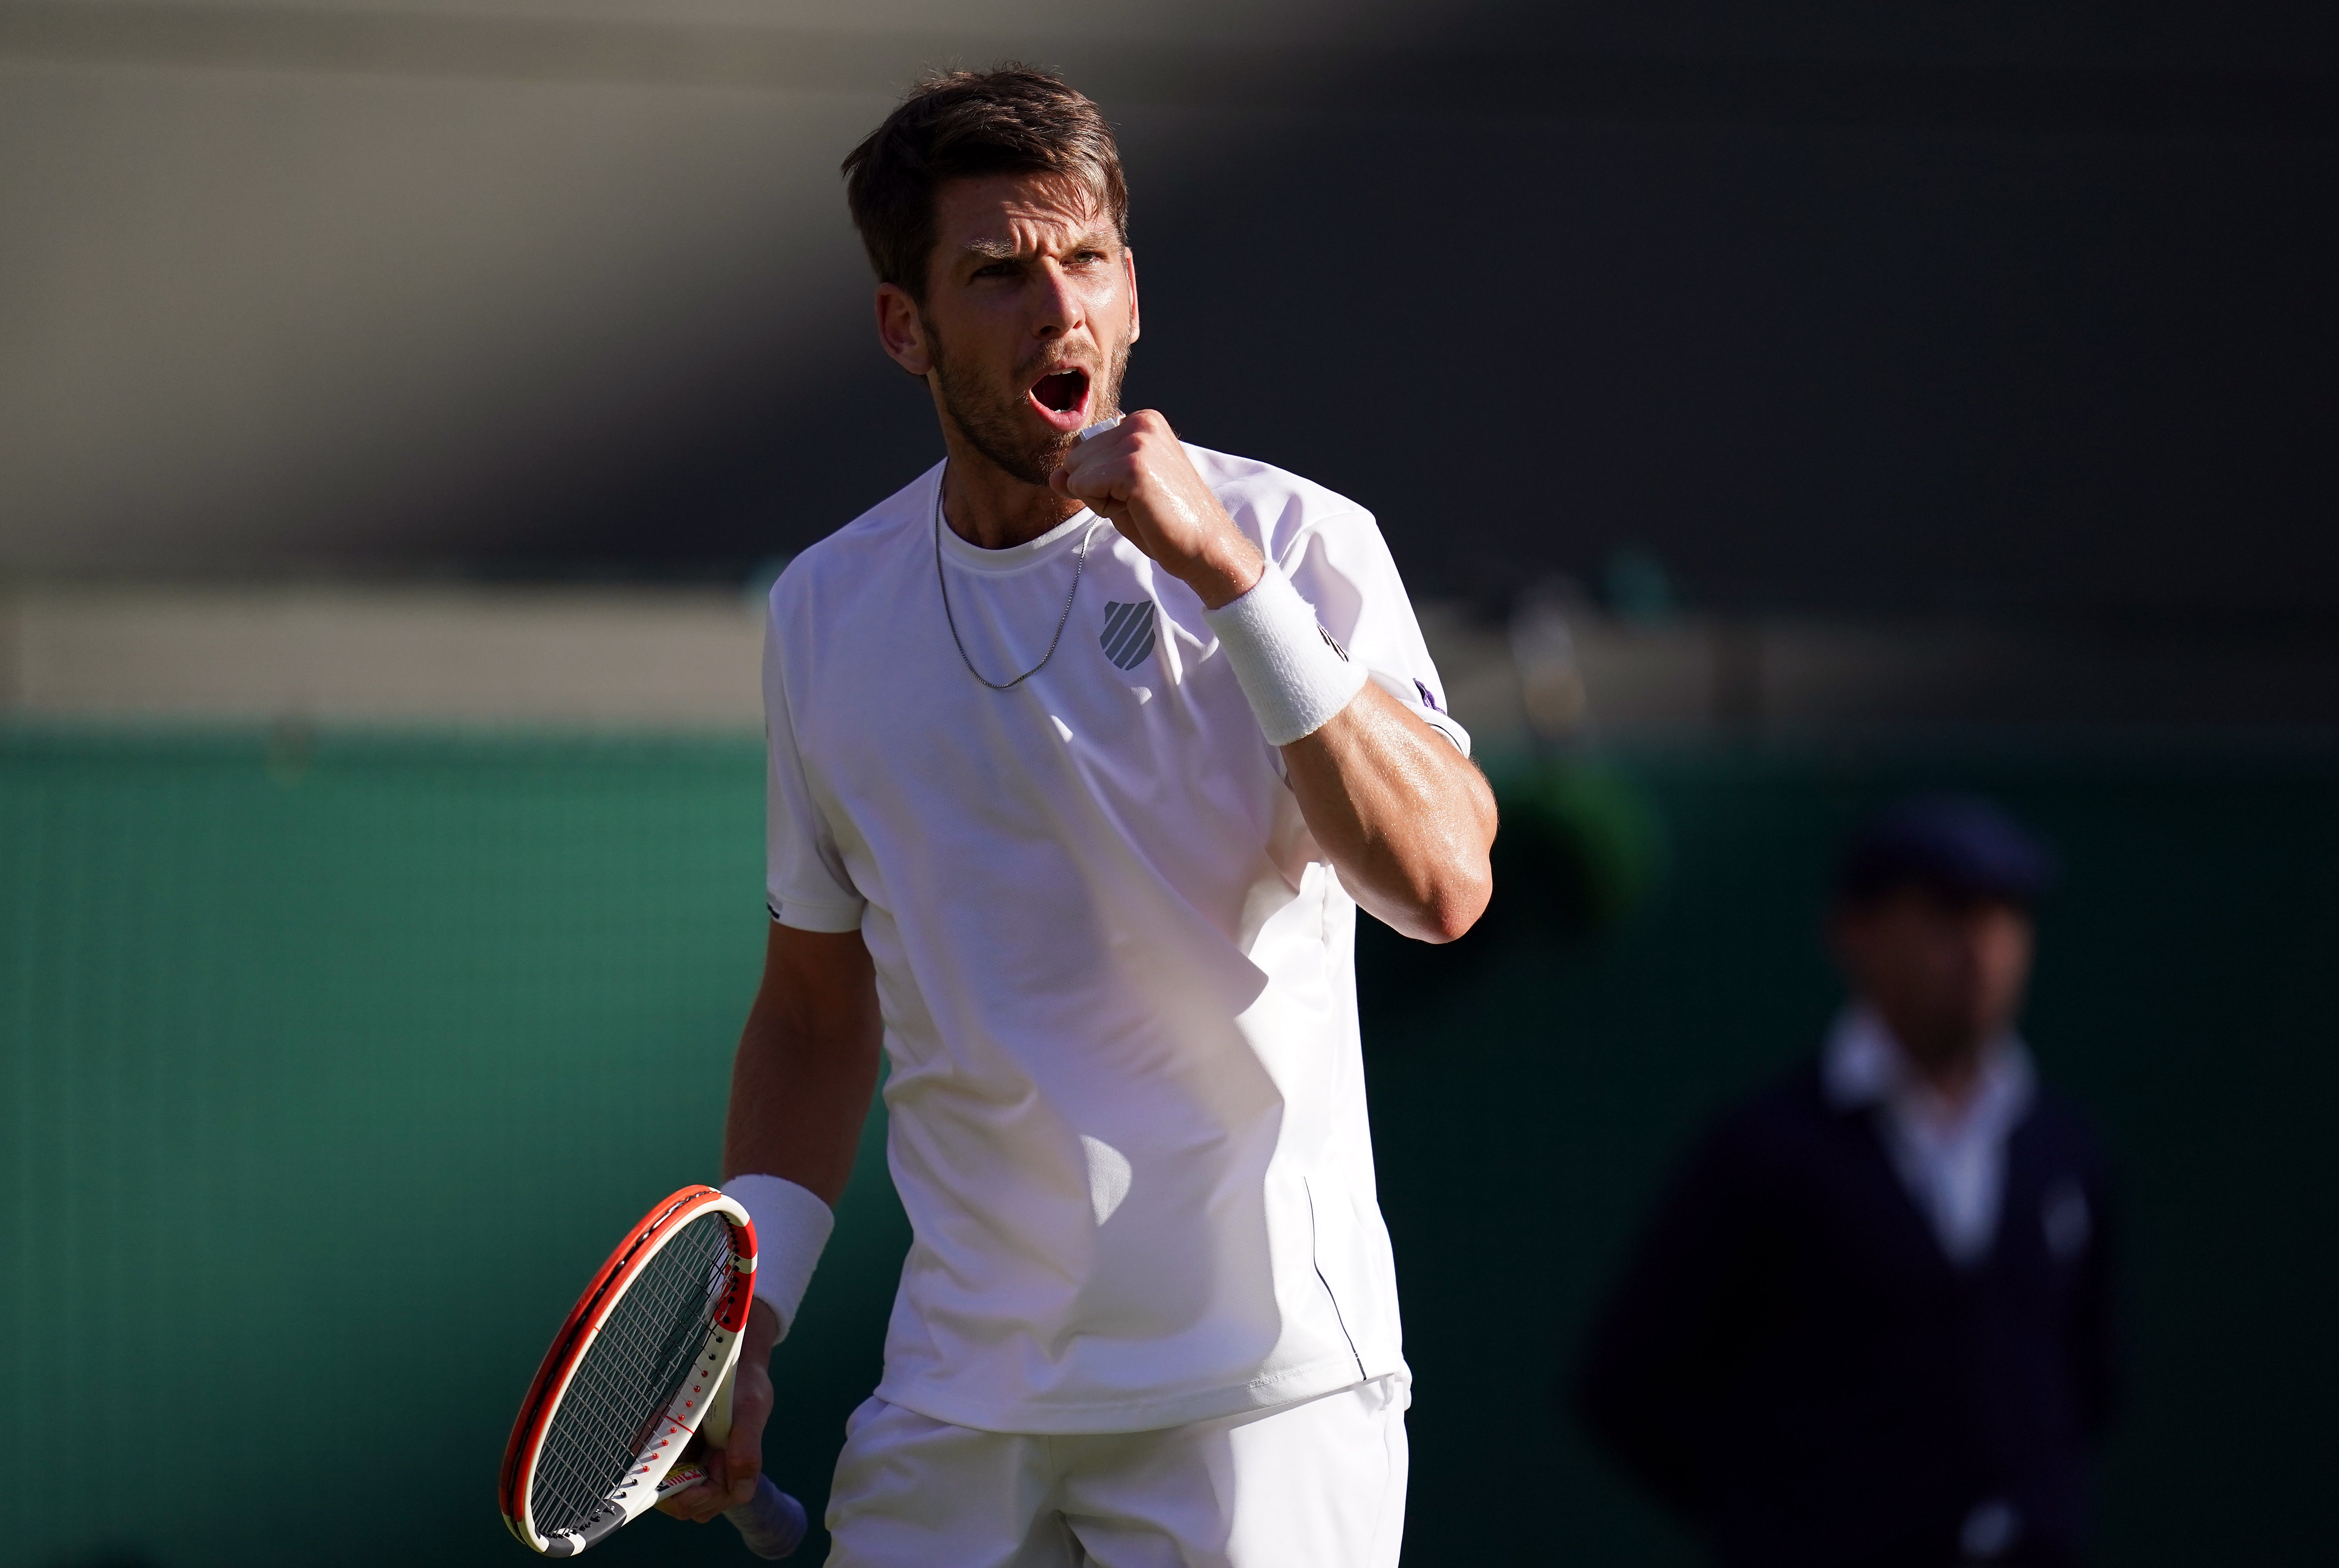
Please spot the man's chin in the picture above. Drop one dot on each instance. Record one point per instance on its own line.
(1041, 449)
(1029, 459)
(1010, 434)
(1051, 453)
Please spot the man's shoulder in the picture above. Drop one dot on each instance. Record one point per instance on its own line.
(2058, 1125)
(1780, 1123)
(1274, 505)
(1796, 1098)
(849, 557)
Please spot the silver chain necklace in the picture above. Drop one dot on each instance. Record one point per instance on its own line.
(1079, 564)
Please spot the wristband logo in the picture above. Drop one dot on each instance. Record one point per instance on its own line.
(1128, 635)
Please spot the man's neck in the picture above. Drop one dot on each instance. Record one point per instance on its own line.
(1951, 1066)
(1953, 1078)
(990, 508)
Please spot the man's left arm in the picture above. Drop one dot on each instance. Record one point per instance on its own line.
(1404, 816)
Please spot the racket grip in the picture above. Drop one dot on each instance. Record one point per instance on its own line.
(771, 1523)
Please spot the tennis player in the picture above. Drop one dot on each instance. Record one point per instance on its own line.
(1084, 755)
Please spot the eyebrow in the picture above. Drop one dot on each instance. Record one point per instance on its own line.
(1006, 250)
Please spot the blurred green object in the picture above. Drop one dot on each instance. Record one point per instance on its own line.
(330, 1062)
(1580, 844)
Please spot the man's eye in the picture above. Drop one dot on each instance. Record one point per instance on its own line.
(996, 270)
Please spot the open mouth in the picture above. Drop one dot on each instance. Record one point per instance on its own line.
(1064, 392)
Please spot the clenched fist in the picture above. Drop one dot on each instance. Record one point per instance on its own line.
(1137, 477)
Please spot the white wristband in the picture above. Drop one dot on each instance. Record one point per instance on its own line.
(792, 1226)
(1294, 673)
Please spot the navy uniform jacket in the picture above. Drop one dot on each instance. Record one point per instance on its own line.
(1793, 1363)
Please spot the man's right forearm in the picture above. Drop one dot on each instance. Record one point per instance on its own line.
(807, 1063)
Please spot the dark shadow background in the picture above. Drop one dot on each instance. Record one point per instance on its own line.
(2004, 309)
(1869, 335)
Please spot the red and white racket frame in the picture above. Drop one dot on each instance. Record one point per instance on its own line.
(705, 1395)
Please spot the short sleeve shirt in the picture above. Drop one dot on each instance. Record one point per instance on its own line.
(1126, 1098)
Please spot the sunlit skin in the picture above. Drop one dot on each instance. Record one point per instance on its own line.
(1946, 975)
(1029, 312)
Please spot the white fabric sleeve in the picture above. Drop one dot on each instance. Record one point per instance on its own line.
(792, 1226)
(1294, 675)
(805, 884)
(1340, 565)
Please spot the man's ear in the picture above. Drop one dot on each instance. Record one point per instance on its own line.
(1135, 321)
(902, 329)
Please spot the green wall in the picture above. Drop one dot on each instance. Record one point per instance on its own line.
(330, 1064)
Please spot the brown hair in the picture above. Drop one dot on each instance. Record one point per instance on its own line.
(964, 124)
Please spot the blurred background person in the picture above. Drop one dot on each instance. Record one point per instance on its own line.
(1871, 1324)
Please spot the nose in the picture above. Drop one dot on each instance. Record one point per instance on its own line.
(1056, 307)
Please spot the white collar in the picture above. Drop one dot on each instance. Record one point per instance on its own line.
(1865, 1065)
(1951, 1158)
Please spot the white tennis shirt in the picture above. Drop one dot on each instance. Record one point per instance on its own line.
(1127, 1100)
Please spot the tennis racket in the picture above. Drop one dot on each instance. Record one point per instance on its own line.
(643, 1362)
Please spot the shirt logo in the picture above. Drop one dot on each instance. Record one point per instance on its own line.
(1127, 635)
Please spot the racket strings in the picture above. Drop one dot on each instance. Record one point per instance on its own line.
(630, 1373)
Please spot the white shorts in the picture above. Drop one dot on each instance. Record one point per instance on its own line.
(1316, 1484)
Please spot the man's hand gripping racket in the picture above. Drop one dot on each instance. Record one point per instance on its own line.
(644, 1363)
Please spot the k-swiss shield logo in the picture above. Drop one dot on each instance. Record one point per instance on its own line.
(1127, 635)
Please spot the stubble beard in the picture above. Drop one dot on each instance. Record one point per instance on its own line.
(990, 418)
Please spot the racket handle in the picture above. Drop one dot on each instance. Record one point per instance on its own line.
(771, 1523)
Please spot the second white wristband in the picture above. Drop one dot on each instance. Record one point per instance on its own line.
(1294, 675)
(792, 1226)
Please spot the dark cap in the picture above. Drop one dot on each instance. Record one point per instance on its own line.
(1958, 844)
